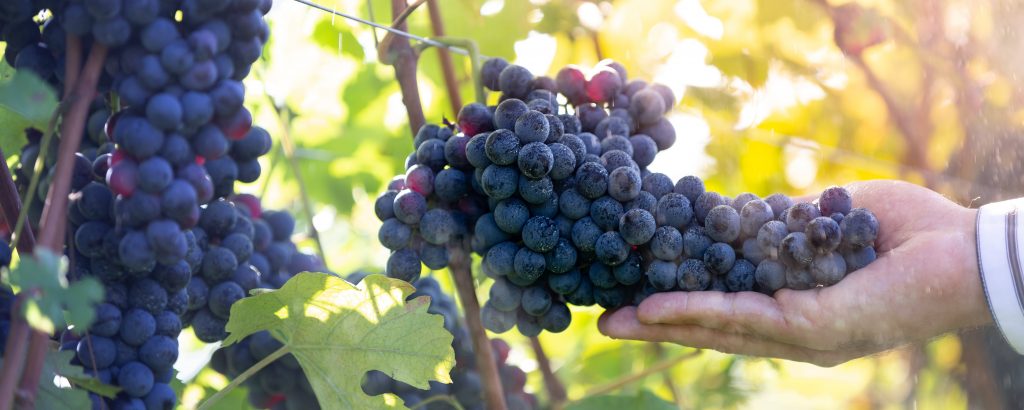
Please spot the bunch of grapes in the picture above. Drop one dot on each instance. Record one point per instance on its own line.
(466, 387)
(6, 298)
(573, 215)
(175, 138)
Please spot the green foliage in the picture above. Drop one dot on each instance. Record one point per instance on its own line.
(338, 332)
(643, 399)
(25, 101)
(54, 396)
(59, 302)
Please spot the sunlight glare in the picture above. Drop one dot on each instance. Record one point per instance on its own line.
(492, 7)
(589, 15)
(801, 166)
(694, 15)
(781, 91)
(536, 52)
(688, 155)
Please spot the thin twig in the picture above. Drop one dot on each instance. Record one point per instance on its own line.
(405, 71)
(444, 397)
(396, 31)
(288, 148)
(283, 350)
(658, 368)
(369, 9)
(15, 351)
(485, 362)
(677, 398)
(556, 390)
(10, 201)
(54, 220)
(37, 166)
(437, 27)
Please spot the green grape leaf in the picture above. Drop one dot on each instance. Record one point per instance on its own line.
(59, 363)
(338, 332)
(335, 35)
(59, 302)
(642, 400)
(25, 101)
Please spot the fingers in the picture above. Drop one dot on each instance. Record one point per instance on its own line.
(623, 324)
(748, 313)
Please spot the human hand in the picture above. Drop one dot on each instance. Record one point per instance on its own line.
(925, 282)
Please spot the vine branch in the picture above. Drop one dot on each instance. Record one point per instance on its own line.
(658, 368)
(266, 361)
(437, 28)
(556, 390)
(10, 201)
(404, 58)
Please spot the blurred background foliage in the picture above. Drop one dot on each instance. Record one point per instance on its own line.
(774, 96)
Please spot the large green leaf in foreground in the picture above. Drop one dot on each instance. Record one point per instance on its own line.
(338, 332)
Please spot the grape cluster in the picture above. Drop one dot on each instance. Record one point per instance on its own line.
(282, 384)
(466, 387)
(6, 298)
(574, 217)
(159, 160)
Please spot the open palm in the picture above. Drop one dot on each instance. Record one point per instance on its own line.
(924, 283)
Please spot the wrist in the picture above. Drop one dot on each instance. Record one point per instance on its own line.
(974, 302)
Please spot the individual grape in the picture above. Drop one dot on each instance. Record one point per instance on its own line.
(667, 243)
(828, 269)
(799, 279)
(535, 160)
(555, 127)
(528, 267)
(695, 242)
(795, 250)
(602, 276)
(504, 295)
(585, 233)
(573, 205)
(859, 228)
(644, 149)
(450, 185)
(658, 185)
(135, 379)
(528, 325)
(662, 275)
(161, 396)
(499, 182)
(779, 203)
(770, 276)
(838, 217)
(137, 326)
(606, 212)
(511, 214)
(514, 81)
(741, 200)
(674, 210)
(662, 132)
(425, 133)
(824, 234)
(691, 187)
(603, 85)
(572, 83)
(704, 203)
(565, 283)
(409, 207)
(490, 71)
(540, 234)
(159, 353)
(610, 298)
(404, 264)
(420, 178)
(857, 259)
(555, 320)
(476, 150)
(611, 249)
(719, 258)
(500, 258)
(753, 215)
(722, 224)
(536, 300)
(646, 106)
(613, 160)
(591, 142)
(437, 227)
(96, 351)
(637, 226)
(563, 161)
(741, 277)
(475, 118)
(629, 272)
(576, 145)
(455, 151)
(496, 320)
(508, 112)
(752, 251)
(532, 126)
(835, 199)
(431, 154)
(800, 215)
(770, 237)
(562, 257)
(693, 275)
(583, 295)
(624, 184)
(148, 295)
(591, 180)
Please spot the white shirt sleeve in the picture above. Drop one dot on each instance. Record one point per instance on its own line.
(1000, 260)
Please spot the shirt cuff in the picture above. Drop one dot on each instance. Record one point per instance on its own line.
(1000, 237)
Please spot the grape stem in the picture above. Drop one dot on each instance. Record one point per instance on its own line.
(54, 220)
(404, 58)
(623, 381)
(20, 229)
(677, 398)
(208, 403)
(13, 210)
(437, 28)
(288, 148)
(556, 390)
(486, 365)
